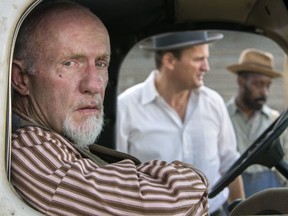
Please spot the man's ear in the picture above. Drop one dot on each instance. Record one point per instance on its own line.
(240, 81)
(20, 78)
(168, 60)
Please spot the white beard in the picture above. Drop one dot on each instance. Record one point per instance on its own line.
(87, 133)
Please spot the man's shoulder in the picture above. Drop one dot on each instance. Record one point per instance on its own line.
(33, 129)
(33, 135)
(131, 92)
(210, 92)
(130, 98)
(211, 95)
(273, 114)
(145, 89)
(231, 106)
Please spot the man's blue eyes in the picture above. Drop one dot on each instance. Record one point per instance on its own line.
(100, 64)
(68, 64)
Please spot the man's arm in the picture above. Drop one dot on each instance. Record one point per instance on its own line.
(236, 189)
(122, 123)
(56, 180)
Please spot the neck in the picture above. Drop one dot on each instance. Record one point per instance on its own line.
(249, 112)
(176, 98)
(22, 105)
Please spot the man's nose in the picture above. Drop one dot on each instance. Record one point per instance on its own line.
(265, 91)
(94, 81)
(205, 65)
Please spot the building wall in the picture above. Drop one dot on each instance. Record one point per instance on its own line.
(139, 63)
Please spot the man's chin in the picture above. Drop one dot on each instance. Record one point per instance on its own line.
(258, 106)
(84, 134)
(80, 120)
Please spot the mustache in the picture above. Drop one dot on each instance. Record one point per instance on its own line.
(262, 99)
(97, 102)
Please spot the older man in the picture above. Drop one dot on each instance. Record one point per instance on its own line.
(59, 76)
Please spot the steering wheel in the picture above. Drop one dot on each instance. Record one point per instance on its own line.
(266, 150)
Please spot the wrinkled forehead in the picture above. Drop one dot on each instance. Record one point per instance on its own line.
(60, 18)
(68, 23)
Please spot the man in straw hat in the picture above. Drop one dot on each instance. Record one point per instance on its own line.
(249, 113)
(172, 115)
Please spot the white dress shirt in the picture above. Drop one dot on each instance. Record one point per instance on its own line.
(148, 128)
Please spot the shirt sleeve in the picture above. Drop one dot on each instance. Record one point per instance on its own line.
(56, 180)
(227, 140)
(122, 124)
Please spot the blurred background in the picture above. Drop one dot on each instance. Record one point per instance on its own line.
(139, 63)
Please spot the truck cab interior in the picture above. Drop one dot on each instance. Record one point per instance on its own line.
(132, 21)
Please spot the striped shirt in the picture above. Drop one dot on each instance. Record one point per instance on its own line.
(56, 179)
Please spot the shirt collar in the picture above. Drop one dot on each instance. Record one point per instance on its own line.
(265, 110)
(149, 91)
(234, 108)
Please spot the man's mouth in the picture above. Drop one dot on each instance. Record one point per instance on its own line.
(261, 100)
(88, 109)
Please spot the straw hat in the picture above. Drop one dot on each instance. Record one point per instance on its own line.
(256, 61)
(177, 40)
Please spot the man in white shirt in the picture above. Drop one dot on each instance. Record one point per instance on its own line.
(172, 115)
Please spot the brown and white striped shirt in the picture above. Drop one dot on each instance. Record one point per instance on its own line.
(53, 177)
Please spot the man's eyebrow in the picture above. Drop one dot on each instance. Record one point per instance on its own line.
(105, 57)
(79, 56)
(75, 56)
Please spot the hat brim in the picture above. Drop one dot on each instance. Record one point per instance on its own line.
(212, 37)
(239, 68)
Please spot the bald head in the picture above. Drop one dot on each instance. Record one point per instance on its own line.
(66, 49)
(44, 23)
